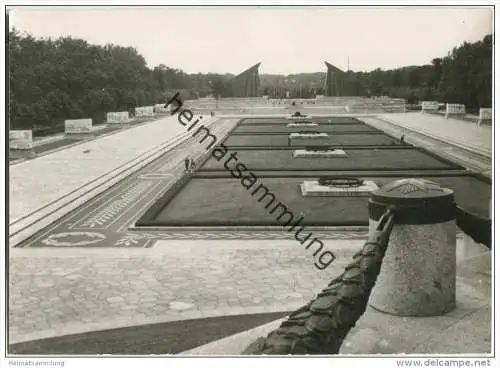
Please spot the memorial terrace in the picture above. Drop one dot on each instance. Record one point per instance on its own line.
(101, 264)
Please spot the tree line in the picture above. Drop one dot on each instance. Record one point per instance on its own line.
(463, 76)
(53, 80)
(66, 78)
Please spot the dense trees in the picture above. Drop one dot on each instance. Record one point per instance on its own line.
(52, 80)
(463, 76)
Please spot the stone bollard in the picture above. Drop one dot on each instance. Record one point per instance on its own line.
(418, 273)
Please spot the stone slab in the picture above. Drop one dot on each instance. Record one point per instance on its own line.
(144, 111)
(78, 126)
(117, 117)
(471, 335)
(485, 116)
(21, 139)
(380, 333)
(160, 108)
(430, 106)
(324, 154)
(418, 273)
(300, 118)
(485, 113)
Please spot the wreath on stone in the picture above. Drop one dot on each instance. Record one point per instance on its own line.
(334, 181)
(319, 148)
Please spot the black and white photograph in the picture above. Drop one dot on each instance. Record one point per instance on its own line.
(191, 182)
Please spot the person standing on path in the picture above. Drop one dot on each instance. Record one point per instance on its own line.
(189, 165)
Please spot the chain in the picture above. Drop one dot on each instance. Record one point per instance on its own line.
(321, 326)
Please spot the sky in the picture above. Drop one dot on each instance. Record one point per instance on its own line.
(286, 40)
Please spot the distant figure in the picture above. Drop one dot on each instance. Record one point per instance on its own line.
(189, 165)
(402, 138)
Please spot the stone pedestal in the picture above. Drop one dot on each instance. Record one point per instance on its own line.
(485, 116)
(300, 124)
(78, 127)
(418, 273)
(144, 111)
(21, 144)
(160, 108)
(432, 106)
(454, 110)
(315, 189)
(302, 118)
(120, 117)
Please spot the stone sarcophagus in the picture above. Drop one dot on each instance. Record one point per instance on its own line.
(78, 126)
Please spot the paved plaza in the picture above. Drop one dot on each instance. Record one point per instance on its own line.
(66, 279)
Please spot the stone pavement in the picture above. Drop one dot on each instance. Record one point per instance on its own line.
(56, 291)
(465, 330)
(62, 291)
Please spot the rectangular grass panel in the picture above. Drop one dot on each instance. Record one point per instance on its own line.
(301, 124)
(316, 119)
(226, 202)
(267, 120)
(333, 139)
(336, 120)
(282, 128)
(359, 159)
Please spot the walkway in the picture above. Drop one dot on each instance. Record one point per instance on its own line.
(35, 183)
(46, 188)
(460, 132)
